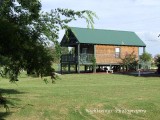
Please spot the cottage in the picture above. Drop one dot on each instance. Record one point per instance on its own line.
(107, 47)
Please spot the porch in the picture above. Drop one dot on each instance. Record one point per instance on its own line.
(72, 58)
(71, 63)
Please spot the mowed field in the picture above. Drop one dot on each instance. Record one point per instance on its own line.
(82, 97)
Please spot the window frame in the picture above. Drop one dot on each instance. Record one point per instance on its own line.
(117, 54)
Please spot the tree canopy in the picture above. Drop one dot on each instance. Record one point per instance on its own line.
(24, 32)
(130, 61)
(146, 57)
(145, 60)
(157, 62)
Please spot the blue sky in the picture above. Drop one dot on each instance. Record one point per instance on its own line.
(140, 16)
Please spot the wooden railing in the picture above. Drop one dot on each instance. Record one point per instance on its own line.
(69, 58)
(88, 58)
(84, 58)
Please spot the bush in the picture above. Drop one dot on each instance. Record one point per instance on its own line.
(130, 62)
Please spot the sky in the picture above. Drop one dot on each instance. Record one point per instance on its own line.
(139, 16)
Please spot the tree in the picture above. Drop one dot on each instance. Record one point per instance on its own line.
(93, 60)
(145, 60)
(157, 62)
(24, 32)
(130, 62)
(146, 57)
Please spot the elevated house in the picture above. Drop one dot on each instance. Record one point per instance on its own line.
(107, 47)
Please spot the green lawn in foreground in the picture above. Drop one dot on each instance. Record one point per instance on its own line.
(75, 94)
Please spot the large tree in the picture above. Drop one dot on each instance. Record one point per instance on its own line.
(157, 62)
(24, 32)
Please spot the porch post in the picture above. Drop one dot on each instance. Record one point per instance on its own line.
(76, 68)
(69, 66)
(79, 58)
(94, 67)
(61, 68)
(138, 66)
(144, 50)
(61, 64)
(85, 68)
(110, 67)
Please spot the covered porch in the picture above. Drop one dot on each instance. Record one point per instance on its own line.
(83, 55)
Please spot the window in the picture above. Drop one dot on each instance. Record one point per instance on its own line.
(84, 54)
(117, 52)
(84, 50)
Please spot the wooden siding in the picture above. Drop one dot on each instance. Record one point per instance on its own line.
(106, 54)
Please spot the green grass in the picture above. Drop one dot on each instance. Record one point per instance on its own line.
(75, 94)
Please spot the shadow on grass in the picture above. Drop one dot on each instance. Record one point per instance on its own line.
(5, 101)
(3, 115)
(10, 91)
(135, 74)
(141, 74)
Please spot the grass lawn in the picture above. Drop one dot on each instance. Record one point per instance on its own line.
(83, 97)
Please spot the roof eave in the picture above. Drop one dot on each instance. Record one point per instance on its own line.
(114, 44)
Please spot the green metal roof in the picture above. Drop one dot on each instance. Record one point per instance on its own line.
(109, 37)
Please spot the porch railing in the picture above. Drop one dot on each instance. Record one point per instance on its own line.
(87, 58)
(69, 58)
(84, 58)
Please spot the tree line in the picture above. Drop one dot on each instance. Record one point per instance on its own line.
(145, 62)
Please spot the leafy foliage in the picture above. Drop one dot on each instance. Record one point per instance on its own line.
(3, 102)
(157, 62)
(146, 57)
(93, 60)
(145, 60)
(24, 32)
(130, 61)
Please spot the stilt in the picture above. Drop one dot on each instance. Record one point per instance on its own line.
(78, 58)
(144, 50)
(69, 68)
(85, 68)
(110, 67)
(76, 68)
(61, 68)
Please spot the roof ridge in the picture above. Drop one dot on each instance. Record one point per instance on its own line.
(103, 29)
